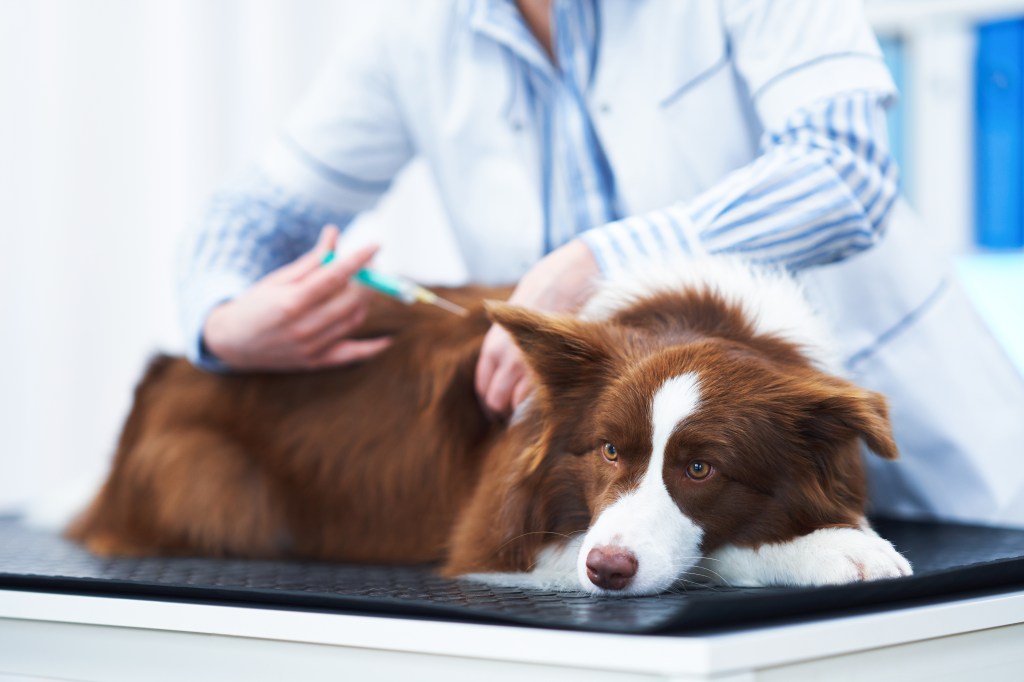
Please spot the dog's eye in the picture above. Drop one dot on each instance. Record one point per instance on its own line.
(698, 471)
(610, 453)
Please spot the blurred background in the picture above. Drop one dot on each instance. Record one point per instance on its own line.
(119, 118)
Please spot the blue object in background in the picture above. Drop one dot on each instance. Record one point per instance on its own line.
(999, 136)
(894, 53)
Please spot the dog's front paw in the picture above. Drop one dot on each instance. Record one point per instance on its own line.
(829, 556)
(843, 555)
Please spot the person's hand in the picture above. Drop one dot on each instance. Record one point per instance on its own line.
(297, 317)
(560, 282)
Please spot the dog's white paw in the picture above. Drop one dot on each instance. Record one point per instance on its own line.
(844, 555)
(829, 556)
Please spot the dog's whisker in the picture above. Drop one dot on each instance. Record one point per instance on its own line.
(535, 532)
(721, 579)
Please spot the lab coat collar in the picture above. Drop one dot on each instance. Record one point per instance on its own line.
(501, 21)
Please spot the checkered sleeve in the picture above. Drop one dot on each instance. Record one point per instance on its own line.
(249, 229)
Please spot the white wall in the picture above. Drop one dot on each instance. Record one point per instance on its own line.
(118, 118)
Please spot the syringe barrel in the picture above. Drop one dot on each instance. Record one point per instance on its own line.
(390, 285)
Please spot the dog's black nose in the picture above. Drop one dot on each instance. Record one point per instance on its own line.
(611, 568)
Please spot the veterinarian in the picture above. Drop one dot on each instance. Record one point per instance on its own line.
(577, 140)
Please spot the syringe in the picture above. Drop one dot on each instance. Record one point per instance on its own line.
(402, 288)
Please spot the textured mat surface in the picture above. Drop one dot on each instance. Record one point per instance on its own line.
(948, 560)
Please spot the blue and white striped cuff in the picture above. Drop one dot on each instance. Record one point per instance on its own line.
(196, 304)
(628, 244)
(819, 80)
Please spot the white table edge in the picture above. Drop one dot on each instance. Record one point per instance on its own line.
(707, 654)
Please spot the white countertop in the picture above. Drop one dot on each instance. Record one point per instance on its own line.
(24, 615)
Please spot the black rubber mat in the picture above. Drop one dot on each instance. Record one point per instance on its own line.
(949, 561)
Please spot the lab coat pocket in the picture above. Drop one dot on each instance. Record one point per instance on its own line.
(709, 122)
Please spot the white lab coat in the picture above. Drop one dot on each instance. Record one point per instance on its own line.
(681, 93)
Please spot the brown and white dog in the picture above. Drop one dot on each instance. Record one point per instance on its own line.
(686, 420)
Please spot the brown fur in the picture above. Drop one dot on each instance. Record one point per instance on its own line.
(393, 461)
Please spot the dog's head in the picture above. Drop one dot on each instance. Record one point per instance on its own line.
(692, 444)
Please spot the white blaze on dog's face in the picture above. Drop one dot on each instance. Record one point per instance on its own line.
(642, 542)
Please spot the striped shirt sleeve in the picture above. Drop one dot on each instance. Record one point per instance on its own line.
(248, 230)
(820, 191)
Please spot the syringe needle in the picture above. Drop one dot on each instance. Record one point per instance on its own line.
(450, 307)
(428, 296)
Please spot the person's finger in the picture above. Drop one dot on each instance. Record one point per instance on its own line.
(343, 301)
(499, 393)
(327, 314)
(340, 329)
(312, 259)
(522, 389)
(487, 362)
(330, 279)
(351, 350)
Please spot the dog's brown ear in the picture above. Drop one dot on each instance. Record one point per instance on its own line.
(563, 351)
(845, 409)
